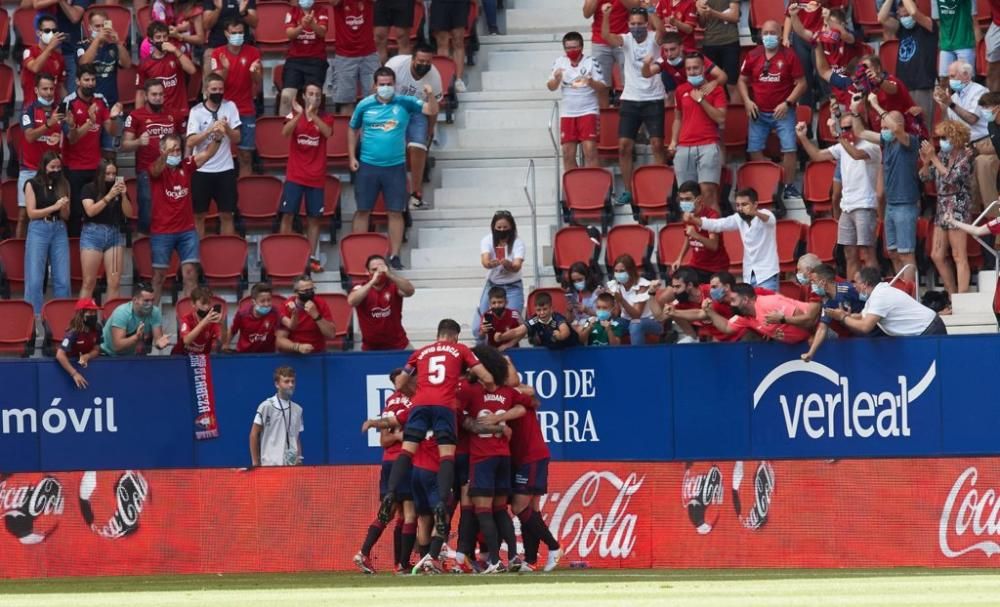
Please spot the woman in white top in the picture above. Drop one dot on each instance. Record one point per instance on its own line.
(631, 293)
(502, 254)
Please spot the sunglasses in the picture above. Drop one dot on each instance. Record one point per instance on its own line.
(48, 30)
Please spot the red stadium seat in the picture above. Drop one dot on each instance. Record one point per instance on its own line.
(343, 316)
(259, 197)
(24, 26)
(981, 62)
(652, 187)
(194, 84)
(11, 212)
(110, 305)
(572, 244)
(7, 78)
(984, 12)
(587, 194)
(336, 144)
(823, 133)
(634, 240)
(791, 289)
(734, 246)
(888, 54)
(142, 264)
(559, 303)
(789, 235)
(617, 82)
(823, 239)
(668, 124)
(354, 251)
(56, 316)
(120, 16)
(671, 240)
(735, 129)
(817, 180)
(284, 257)
(765, 10)
(270, 30)
(224, 262)
(272, 145)
(17, 327)
(446, 68)
(866, 17)
(607, 134)
(331, 206)
(127, 88)
(5, 31)
(277, 79)
(11, 266)
(144, 16)
(763, 176)
(14, 139)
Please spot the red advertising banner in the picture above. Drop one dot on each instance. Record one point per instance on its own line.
(861, 513)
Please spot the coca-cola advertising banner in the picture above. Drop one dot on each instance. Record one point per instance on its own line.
(857, 513)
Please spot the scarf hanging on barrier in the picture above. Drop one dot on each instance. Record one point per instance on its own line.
(206, 423)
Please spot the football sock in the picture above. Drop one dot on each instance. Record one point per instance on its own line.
(505, 529)
(468, 526)
(423, 550)
(489, 529)
(542, 530)
(406, 546)
(397, 540)
(435, 549)
(374, 532)
(400, 470)
(528, 537)
(446, 476)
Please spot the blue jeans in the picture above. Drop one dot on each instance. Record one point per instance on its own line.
(490, 8)
(638, 329)
(515, 301)
(144, 192)
(765, 123)
(771, 284)
(47, 244)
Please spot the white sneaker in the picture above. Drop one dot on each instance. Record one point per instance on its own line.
(459, 85)
(686, 339)
(553, 560)
(418, 568)
(494, 568)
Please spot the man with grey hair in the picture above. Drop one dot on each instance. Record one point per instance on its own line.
(804, 267)
(963, 103)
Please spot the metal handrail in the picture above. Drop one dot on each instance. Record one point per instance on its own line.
(989, 248)
(556, 155)
(916, 277)
(529, 179)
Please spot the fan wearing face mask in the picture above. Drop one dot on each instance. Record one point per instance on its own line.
(81, 341)
(987, 150)
(580, 81)
(916, 57)
(239, 64)
(306, 63)
(200, 330)
(670, 66)
(167, 64)
(704, 251)
(961, 101)
(44, 57)
(835, 294)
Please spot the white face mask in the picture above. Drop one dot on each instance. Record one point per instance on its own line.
(46, 37)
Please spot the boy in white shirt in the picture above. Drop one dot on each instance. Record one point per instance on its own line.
(274, 436)
(579, 79)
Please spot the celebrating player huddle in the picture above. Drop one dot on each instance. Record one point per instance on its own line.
(460, 429)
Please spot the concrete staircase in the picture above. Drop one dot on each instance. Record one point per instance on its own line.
(973, 312)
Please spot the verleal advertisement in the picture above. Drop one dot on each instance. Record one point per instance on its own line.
(817, 513)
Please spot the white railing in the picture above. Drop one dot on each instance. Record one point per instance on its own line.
(916, 277)
(530, 193)
(556, 156)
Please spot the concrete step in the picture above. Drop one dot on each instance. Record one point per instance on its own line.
(504, 138)
(540, 94)
(515, 80)
(511, 118)
(568, 6)
(499, 198)
(538, 61)
(528, 20)
(470, 237)
(973, 302)
(485, 178)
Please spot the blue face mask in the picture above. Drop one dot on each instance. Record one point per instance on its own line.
(45, 102)
(262, 310)
(801, 278)
(956, 85)
(945, 146)
(235, 39)
(676, 60)
(621, 277)
(305, 4)
(986, 114)
(887, 135)
(717, 293)
(687, 206)
(579, 286)
(770, 41)
(174, 160)
(908, 22)
(818, 290)
(639, 32)
(863, 296)
(603, 314)
(696, 81)
(385, 91)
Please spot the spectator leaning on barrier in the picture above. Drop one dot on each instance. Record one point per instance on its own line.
(81, 341)
(215, 122)
(47, 203)
(888, 308)
(239, 64)
(356, 60)
(106, 206)
(43, 58)
(696, 139)
(501, 252)
(256, 323)
(499, 326)
(546, 327)
(835, 295)
(380, 122)
(684, 296)
(580, 82)
(757, 228)
(379, 304)
(753, 311)
(275, 436)
(41, 128)
(133, 323)
(306, 62)
(106, 52)
(987, 162)
(603, 328)
(306, 322)
(200, 331)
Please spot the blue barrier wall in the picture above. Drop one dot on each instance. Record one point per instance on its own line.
(860, 398)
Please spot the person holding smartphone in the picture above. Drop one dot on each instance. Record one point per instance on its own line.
(200, 331)
(306, 321)
(105, 207)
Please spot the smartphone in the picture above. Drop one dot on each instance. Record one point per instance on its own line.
(488, 318)
(119, 180)
(217, 308)
(63, 107)
(108, 25)
(501, 253)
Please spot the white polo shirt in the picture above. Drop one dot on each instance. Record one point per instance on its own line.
(901, 314)
(760, 243)
(858, 176)
(968, 100)
(199, 120)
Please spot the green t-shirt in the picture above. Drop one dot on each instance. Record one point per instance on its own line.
(599, 335)
(124, 317)
(956, 23)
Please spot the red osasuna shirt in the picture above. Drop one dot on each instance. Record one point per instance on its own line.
(705, 327)
(467, 392)
(167, 70)
(702, 257)
(239, 80)
(256, 332)
(85, 154)
(427, 456)
(380, 316)
(54, 66)
(156, 124)
(307, 152)
(527, 444)
(354, 25)
(34, 116)
(397, 406)
(205, 340)
(75, 343)
(307, 45)
(901, 102)
(484, 446)
(510, 319)
(306, 331)
(439, 368)
(172, 210)
(773, 87)
(678, 73)
(696, 127)
(811, 16)
(619, 20)
(685, 12)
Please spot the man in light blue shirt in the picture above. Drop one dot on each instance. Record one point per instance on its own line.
(126, 331)
(380, 121)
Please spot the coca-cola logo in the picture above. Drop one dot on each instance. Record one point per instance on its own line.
(31, 511)
(580, 522)
(131, 494)
(968, 510)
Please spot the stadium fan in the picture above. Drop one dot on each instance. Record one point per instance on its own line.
(356, 61)
(413, 72)
(670, 66)
(81, 341)
(681, 301)
(580, 83)
(41, 128)
(758, 232)
(135, 325)
(68, 16)
(834, 294)
(642, 98)
(888, 308)
(381, 121)
(721, 45)
(603, 328)
(546, 327)
(306, 321)
(44, 57)
(582, 289)
(696, 135)
(106, 52)
(275, 436)
(990, 228)
(605, 54)
(398, 15)
(708, 252)
(379, 304)
(144, 127)
(680, 17)
(183, 18)
(169, 65)
(916, 59)
(962, 105)
(239, 64)
(631, 293)
(255, 323)
(218, 13)
(810, 26)
(502, 253)
(390, 426)
(46, 200)
(305, 62)
(88, 118)
(951, 170)
(106, 207)
(771, 83)
(753, 312)
(200, 330)
(448, 20)
(958, 33)
(987, 162)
